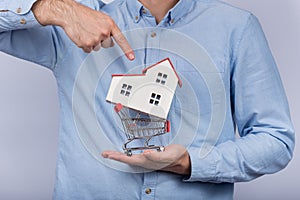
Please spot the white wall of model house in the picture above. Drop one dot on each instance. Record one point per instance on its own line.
(150, 92)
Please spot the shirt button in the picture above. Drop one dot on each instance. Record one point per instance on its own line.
(148, 191)
(23, 21)
(153, 34)
(19, 10)
(144, 11)
(136, 17)
(172, 21)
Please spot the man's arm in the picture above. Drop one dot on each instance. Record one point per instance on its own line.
(22, 36)
(260, 109)
(87, 28)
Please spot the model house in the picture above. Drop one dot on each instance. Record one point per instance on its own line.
(150, 92)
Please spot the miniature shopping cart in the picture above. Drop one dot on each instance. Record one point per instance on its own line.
(143, 102)
(141, 126)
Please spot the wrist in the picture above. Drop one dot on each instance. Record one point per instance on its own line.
(53, 12)
(185, 164)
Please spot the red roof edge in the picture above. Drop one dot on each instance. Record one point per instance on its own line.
(168, 59)
(127, 75)
(145, 70)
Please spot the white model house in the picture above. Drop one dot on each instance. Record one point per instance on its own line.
(150, 92)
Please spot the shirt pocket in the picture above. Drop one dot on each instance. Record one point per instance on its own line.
(199, 86)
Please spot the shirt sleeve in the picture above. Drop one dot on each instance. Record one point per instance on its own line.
(22, 36)
(260, 111)
(17, 15)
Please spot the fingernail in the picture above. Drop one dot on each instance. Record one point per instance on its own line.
(131, 56)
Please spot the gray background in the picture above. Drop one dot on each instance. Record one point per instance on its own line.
(29, 115)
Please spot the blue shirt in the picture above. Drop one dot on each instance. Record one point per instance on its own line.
(230, 81)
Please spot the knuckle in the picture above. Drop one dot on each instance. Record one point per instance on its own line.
(107, 20)
(90, 43)
(105, 34)
(86, 50)
(110, 22)
(122, 40)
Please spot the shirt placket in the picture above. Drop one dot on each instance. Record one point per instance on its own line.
(151, 56)
(152, 48)
(149, 186)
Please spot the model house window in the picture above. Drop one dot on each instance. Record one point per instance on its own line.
(161, 78)
(125, 90)
(154, 99)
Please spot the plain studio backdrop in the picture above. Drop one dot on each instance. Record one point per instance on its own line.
(29, 114)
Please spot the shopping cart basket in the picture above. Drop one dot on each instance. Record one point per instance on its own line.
(141, 127)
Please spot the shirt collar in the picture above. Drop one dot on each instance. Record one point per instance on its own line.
(179, 10)
(137, 9)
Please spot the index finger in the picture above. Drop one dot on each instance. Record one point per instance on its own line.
(122, 42)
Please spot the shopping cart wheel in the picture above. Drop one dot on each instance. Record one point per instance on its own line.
(161, 148)
(128, 152)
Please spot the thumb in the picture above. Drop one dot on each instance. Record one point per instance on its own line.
(153, 155)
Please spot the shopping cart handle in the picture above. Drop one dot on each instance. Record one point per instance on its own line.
(167, 126)
(118, 107)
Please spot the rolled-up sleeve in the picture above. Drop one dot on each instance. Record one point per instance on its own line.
(260, 111)
(17, 15)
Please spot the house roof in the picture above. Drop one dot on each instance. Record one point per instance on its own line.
(146, 69)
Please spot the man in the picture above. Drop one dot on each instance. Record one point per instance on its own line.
(232, 39)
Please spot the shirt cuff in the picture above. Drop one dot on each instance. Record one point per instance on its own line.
(19, 7)
(18, 15)
(203, 164)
